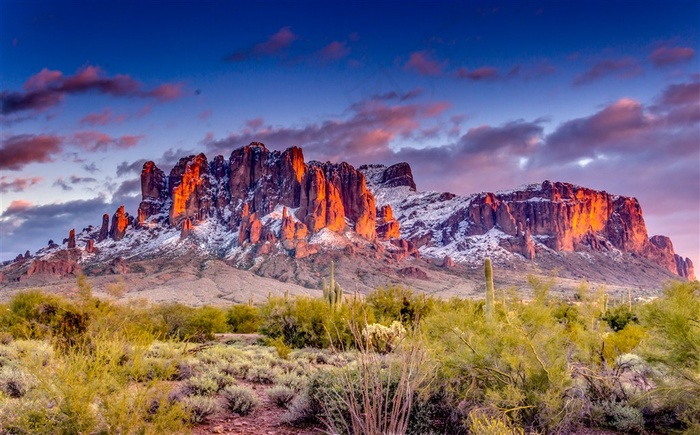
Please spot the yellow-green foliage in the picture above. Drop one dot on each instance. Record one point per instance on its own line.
(673, 323)
(244, 319)
(398, 303)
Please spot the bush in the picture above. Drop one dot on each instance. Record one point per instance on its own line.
(199, 408)
(397, 303)
(241, 400)
(243, 319)
(14, 382)
(282, 396)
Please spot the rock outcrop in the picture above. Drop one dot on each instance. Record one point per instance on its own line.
(71, 239)
(120, 221)
(552, 215)
(104, 229)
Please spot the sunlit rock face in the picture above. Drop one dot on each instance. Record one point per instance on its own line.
(555, 216)
(253, 183)
(119, 224)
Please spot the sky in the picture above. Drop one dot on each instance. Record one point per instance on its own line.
(476, 96)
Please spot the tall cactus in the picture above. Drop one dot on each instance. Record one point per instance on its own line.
(488, 273)
(332, 293)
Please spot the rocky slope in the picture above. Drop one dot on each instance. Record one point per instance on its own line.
(272, 213)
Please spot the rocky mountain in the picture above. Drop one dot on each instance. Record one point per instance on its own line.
(271, 212)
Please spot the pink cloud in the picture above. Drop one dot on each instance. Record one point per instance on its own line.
(483, 73)
(21, 150)
(425, 63)
(334, 51)
(18, 205)
(682, 93)
(17, 184)
(204, 115)
(275, 44)
(664, 56)
(103, 118)
(47, 88)
(254, 124)
(624, 67)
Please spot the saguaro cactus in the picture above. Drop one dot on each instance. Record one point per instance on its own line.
(488, 273)
(332, 293)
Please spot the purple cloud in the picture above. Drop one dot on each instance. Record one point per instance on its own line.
(17, 184)
(21, 150)
(424, 63)
(624, 67)
(334, 51)
(664, 56)
(48, 88)
(483, 73)
(273, 46)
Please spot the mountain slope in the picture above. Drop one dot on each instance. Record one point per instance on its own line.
(275, 215)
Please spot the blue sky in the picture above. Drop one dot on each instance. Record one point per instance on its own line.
(474, 95)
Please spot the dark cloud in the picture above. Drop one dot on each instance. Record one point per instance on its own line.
(273, 46)
(26, 226)
(125, 168)
(681, 93)
(624, 67)
(90, 167)
(483, 73)
(21, 150)
(425, 63)
(665, 55)
(67, 184)
(60, 182)
(17, 184)
(128, 190)
(47, 88)
(399, 96)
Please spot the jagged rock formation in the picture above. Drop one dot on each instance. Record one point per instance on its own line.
(547, 216)
(120, 221)
(260, 203)
(71, 239)
(253, 183)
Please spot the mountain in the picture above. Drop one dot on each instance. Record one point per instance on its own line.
(277, 216)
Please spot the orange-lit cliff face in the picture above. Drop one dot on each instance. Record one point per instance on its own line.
(254, 178)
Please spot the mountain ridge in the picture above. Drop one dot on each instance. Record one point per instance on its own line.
(259, 204)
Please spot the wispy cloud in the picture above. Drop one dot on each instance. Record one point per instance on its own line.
(624, 67)
(19, 184)
(425, 63)
(273, 46)
(21, 150)
(668, 55)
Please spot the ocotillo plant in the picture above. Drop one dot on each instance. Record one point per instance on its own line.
(488, 273)
(332, 293)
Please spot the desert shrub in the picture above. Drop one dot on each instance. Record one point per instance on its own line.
(243, 319)
(32, 314)
(239, 399)
(202, 385)
(261, 374)
(15, 382)
(481, 423)
(619, 317)
(282, 396)
(199, 408)
(673, 347)
(300, 412)
(309, 322)
(622, 416)
(622, 341)
(397, 303)
(292, 381)
(208, 320)
(181, 322)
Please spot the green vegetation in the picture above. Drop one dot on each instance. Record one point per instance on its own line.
(395, 362)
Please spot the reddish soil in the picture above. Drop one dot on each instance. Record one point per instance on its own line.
(265, 420)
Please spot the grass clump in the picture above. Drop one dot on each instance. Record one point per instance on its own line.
(239, 399)
(281, 395)
(200, 408)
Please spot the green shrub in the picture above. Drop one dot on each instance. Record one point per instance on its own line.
(243, 319)
(282, 396)
(241, 400)
(397, 303)
(199, 408)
